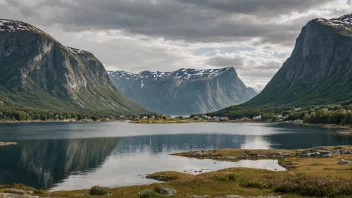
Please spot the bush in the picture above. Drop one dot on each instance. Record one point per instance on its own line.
(228, 177)
(149, 194)
(97, 190)
(306, 185)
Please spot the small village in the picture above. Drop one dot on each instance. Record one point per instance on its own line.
(244, 119)
(206, 118)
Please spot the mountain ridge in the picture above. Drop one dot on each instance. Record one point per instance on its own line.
(189, 90)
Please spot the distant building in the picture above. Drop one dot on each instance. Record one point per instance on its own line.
(298, 121)
(245, 119)
(145, 117)
(298, 109)
(224, 118)
(259, 117)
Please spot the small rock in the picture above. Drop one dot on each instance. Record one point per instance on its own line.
(245, 155)
(9, 195)
(17, 191)
(80, 195)
(321, 148)
(167, 191)
(342, 161)
(144, 192)
(326, 154)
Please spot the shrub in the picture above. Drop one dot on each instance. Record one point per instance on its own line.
(306, 185)
(254, 184)
(97, 190)
(149, 194)
(228, 177)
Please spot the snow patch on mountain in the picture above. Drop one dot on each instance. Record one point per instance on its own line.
(7, 25)
(182, 74)
(77, 51)
(345, 21)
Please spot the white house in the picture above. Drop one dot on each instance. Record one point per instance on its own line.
(259, 117)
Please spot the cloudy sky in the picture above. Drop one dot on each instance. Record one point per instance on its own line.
(254, 36)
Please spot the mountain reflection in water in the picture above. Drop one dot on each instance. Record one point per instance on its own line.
(75, 155)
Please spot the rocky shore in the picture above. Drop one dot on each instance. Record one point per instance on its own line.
(7, 143)
(240, 154)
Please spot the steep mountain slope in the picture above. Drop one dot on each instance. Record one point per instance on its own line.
(38, 72)
(319, 70)
(185, 91)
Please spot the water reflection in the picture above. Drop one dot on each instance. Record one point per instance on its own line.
(256, 142)
(49, 156)
(80, 163)
(42, 163)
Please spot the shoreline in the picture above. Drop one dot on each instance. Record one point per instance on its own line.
(344, 129)
(341, 129)
(7, 143)
(304, 166)
(58, 121)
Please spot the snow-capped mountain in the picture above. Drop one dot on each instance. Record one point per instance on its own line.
(183, 74)
(345, 20)
(185, 91)
(13, 25)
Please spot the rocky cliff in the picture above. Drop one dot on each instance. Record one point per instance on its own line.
(36, 71)
(185, 91)
(319, 70)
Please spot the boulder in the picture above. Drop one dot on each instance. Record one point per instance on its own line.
(342, 161)
(146, 193)
(167, 191)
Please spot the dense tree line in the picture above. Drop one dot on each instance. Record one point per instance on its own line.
(25, 115)
(326, 116)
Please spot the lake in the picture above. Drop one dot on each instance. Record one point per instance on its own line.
(66, 156)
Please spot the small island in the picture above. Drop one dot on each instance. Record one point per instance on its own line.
(7, 143)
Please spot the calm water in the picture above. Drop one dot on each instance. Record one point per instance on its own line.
(61, 156)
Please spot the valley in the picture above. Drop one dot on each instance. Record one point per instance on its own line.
(174, 109)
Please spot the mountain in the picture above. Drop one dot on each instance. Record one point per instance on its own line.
(319, 70)
(185, 91)
(39, 73)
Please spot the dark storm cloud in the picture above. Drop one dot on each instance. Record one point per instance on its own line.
(258, 7)
(225, 61)
(191, 20)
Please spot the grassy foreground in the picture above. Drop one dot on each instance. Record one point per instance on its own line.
(305, 177)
